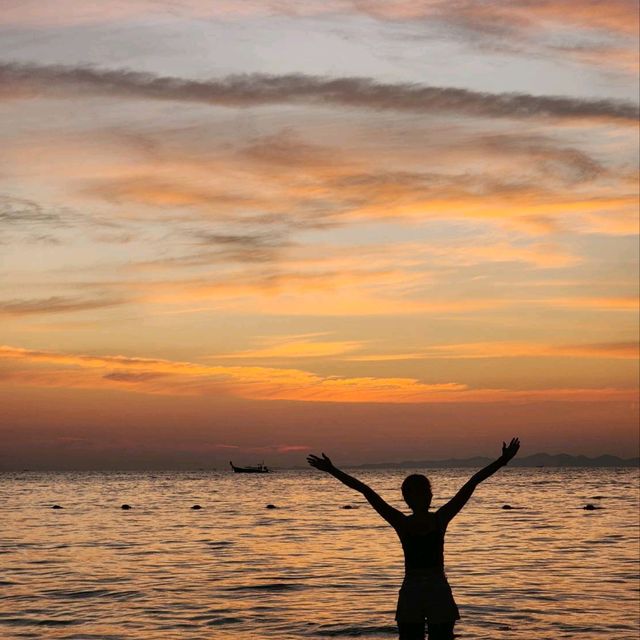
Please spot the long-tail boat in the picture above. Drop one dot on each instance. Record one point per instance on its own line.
(258, 468)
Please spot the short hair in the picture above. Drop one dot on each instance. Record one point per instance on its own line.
(415, 483)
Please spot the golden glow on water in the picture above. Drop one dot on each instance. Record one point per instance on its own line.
(309, 569)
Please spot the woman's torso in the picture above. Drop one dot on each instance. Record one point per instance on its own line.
(422, 539)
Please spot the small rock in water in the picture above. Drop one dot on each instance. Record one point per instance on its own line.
(57, 506)
(597, 497)
(507, 506)
(196, 507)
(271, 506)
(125, 506)
(349, 506)
(591, 507)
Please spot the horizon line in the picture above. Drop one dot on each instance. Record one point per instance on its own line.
(629, 462)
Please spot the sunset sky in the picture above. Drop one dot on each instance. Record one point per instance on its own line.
(383, 229)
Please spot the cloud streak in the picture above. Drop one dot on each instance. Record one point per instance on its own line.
(168, 377)
(493, 17)
(300, 348)
(487, 350)
(23, 81)
(55, 304)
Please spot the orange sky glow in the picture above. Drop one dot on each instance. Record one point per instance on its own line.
(410, 235)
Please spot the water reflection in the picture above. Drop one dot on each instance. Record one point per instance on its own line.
(234, 569)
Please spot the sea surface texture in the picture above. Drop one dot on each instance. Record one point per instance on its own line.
(309, 568)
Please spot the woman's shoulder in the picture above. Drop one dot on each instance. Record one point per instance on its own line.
(422, 524)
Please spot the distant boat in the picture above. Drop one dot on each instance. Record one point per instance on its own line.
(258, 468)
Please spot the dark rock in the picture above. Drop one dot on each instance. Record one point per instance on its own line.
(57, 506)
(196, 507)
(591, 507)
(271, 506)
(507, 506)
(597, 497)
(349, 506)
(125, 507)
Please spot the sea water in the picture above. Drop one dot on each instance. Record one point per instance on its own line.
(309, 568)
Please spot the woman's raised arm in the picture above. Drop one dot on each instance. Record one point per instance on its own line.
(453, 507)
(391, 515)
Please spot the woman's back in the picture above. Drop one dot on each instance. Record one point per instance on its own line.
(422, 538)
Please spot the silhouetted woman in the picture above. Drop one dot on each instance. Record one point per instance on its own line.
(425, 595)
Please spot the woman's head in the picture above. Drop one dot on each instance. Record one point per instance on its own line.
(416, 491)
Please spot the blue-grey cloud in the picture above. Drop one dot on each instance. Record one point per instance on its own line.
(250, 90)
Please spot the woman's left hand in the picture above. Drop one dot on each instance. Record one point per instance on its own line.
(510, 450)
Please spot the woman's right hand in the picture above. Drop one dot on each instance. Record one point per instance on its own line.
(324, 463)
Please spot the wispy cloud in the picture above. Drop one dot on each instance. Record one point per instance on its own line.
(601, 35)
(31, 222)
(167, 377)
(292, 203)
(287, 347)
(25, 212)
(485, 350)
(246, 201)
(528, 28)
(146, 375)
(496, 17)
(24, 219)
(56, 304)
(22, 81)
(374, 291)
(603, 303)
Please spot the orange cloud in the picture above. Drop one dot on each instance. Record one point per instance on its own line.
(176, 378)
(616, 350)
(530, 183)
(494, 17)
(613, 303)
(283, 347)
(55, 304)
(158, 192)
(342, 195)
(322, 294)
(157, 376)
(603, 35)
